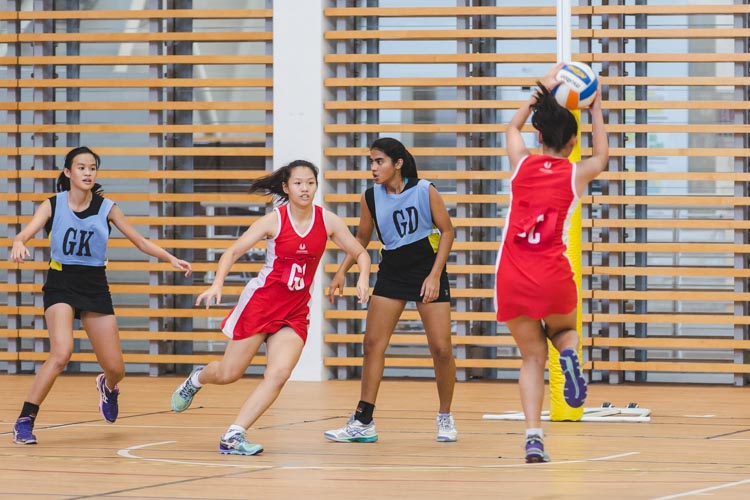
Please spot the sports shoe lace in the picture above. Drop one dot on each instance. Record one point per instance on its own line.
(444, 423)
(186, 391)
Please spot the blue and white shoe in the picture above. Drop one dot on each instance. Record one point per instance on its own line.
(182, 397)
(535, 453)
(23, 431)
(575, 385)
(446, 428)
(236, 444)
(107, 400)
(354, 432)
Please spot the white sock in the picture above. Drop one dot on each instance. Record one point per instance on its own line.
(194, 379)
(535, 432)
(234, 429)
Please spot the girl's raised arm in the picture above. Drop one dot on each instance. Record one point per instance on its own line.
(143, 244)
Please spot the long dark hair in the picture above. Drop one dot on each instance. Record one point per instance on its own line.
(395, 151)
(63, 182)
(556, 124)
(274, 183)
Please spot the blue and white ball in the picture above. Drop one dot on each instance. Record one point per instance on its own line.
(578, 86)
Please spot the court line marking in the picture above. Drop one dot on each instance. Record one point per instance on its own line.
(741, 431)
(126, 453)
(704, 490)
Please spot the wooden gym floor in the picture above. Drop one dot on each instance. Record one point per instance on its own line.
(697, 445)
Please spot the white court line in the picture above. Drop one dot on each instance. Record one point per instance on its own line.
(704, 490)
(126, 453)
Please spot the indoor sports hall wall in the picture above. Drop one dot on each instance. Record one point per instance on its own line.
(177, 98)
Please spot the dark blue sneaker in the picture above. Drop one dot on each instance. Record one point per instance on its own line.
(107, 400)
(22, 431)
(535, 450)
(236, 444)
(575, 385)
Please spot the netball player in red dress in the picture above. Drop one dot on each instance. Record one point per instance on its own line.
(273, 307)
(535, 291)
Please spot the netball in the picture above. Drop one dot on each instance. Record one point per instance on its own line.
(578, 86)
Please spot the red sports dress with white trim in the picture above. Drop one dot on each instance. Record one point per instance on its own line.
(534, 277)
(280, 294)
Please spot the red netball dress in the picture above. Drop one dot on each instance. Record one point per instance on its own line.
(280, 294)
(533, 276)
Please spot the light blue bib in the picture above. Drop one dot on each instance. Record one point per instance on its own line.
(76, 241)
(405, 217)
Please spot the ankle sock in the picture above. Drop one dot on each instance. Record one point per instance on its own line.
(194, 379)
(29, 410)
(534, 432)
(364, 411)
(234, 429)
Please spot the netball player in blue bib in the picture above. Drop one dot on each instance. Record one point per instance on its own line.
(77, 220)
(413, 225)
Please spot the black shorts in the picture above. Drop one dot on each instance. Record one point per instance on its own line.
(84, 288)
(403, 271)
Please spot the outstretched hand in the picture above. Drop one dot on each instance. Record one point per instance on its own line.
(19, 252)
(213, 292)
(182, 265)
(336, 287)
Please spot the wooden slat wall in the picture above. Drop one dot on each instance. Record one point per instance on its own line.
(178, 103)
(665, 228)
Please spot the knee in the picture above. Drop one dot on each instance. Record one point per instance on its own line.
(225, 375)
(442, 354)
(373, 347)
(537, 356)
(277, 376)
(561, 334)
(59, 359)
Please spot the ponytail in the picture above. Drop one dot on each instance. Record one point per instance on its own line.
(273, 184)
(395, 150)
(63, 182)
(556, 124)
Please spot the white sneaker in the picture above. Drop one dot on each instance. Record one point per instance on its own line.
(354, 432)
(446, 428)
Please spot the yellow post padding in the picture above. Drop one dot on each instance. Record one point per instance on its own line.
(559, 409)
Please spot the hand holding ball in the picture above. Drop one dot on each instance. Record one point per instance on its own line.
(578, 86)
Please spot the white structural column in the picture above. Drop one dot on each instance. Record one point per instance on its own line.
(298, 121)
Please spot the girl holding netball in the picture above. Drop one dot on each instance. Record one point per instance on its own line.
(415, 229)
(273, 307)
(78, 221)
(535, 292)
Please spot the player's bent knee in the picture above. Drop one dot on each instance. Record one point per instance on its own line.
(58, 361)
(227, 376)
(277, 376)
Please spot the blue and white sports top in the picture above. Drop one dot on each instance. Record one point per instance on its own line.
(405, 217)
(79, 241)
